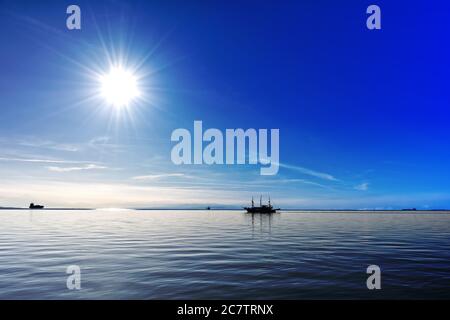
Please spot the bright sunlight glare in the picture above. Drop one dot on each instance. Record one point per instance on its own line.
(119, 87)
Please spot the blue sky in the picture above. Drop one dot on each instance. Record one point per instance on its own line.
(363, 115)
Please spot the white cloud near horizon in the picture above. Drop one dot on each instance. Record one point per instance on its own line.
(101, 195)
(96, 195)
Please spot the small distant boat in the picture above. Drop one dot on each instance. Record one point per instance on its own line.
(36, 206)
(267, 209)
(411, 209)
(208, 208)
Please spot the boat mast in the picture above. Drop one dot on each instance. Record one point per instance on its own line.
(253, 202)
(260, 201)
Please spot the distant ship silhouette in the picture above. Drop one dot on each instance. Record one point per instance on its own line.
(36, 206)
(262, 207)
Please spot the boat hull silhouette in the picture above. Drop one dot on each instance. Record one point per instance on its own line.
(263, 209)
(35, 206)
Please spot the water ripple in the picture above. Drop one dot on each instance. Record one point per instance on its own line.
(222, 254)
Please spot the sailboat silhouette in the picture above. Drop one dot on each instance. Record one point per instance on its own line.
(262, 207)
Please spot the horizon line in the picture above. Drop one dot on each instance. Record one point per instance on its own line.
(218, 208)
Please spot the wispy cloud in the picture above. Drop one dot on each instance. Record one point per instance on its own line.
(309, 182)
(363, 186)
(289, 181)
(158, 176)
(38, 160)
(309, 172)
(81, 168)
(36, 143)
(104, 144)
(99, 140)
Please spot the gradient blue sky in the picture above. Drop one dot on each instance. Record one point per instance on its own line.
(363, 115)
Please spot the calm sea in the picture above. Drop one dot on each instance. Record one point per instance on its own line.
(127, 254)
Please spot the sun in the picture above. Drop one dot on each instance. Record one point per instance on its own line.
(119, 87)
